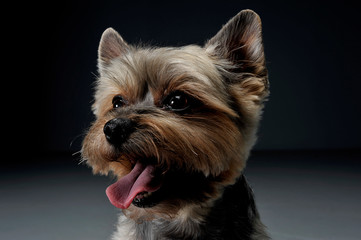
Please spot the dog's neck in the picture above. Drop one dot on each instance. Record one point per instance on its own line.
(233, 216)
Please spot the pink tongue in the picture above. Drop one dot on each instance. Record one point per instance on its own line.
(122, 193)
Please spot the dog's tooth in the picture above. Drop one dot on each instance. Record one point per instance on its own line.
(147, 194)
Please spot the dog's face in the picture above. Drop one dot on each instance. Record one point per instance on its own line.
(176, 125)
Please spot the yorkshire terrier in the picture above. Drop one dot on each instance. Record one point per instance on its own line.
(175, 125)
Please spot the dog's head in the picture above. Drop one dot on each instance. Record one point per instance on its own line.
(176, 125)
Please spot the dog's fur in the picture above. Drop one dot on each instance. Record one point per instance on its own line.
(198, 145)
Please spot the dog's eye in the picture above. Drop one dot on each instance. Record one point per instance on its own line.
(118, 101)
(177, 102)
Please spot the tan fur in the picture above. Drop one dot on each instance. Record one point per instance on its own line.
(229, 78)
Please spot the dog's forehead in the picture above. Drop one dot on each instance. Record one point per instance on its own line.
(164, 70)
(166, 66)
(150, 74)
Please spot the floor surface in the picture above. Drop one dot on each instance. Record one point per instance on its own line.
(300, 196)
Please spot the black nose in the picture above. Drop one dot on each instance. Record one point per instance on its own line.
(118, 130)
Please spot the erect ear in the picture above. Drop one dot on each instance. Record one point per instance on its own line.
(240, 42)
(111, 46)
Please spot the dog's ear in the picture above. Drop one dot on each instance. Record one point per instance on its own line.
(111, 46)
(240, 42)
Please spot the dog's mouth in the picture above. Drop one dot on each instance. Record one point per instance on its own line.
(147, 185)
(139, 187)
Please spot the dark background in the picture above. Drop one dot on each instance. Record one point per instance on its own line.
(312, 48)
(305, 171)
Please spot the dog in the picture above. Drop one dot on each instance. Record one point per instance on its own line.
(175, 126)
